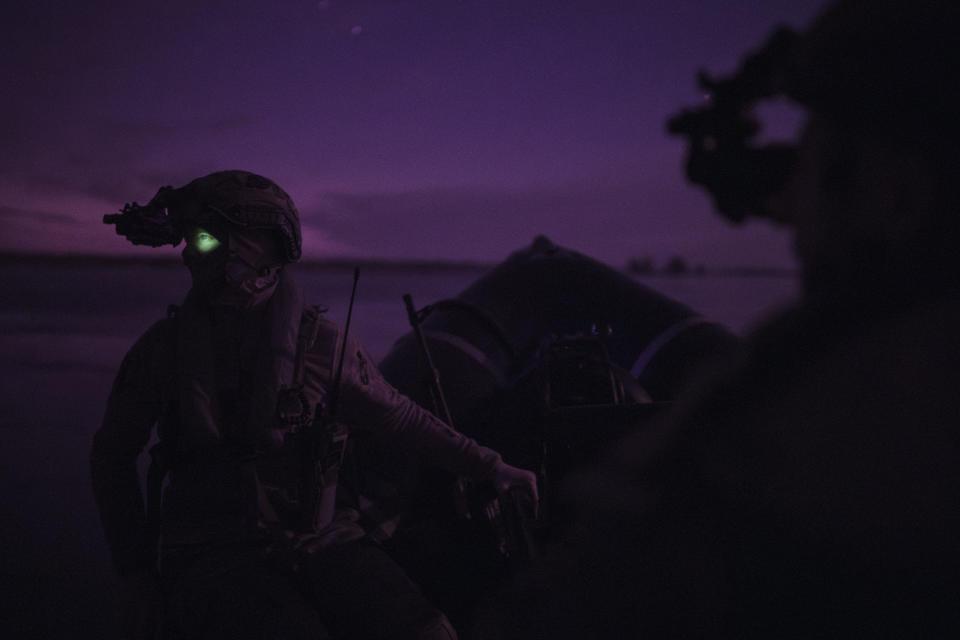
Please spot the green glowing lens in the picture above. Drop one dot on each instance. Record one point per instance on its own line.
(204, 241)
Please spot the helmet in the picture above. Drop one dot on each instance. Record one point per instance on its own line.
(882, 62)
(248, 200)
(880, 67)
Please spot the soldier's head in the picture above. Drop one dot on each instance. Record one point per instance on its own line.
(874, 188)
(240, 230)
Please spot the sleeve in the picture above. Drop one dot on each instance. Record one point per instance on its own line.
(133, 407)
(369, 403)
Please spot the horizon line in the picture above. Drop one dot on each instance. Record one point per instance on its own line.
(403, 264)
(39, 257)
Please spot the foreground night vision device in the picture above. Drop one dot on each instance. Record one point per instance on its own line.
(741, 178)
(154, 224)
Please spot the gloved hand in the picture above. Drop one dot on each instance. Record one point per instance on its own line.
(142, 606)
(512, 479)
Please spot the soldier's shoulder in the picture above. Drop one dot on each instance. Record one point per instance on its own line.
(161, 334)
(314, 312)
(317, 328)
(322, 334)
(150, 362)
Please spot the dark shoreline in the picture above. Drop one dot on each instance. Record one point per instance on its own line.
(68, 259)
(366, 264)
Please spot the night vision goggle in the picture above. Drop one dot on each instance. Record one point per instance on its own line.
(741, 178)
(154, 224)
(162, 221)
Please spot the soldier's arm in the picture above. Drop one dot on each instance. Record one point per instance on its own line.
(134, 405)
(373, 404)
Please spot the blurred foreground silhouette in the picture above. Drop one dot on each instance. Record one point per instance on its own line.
(808, 489)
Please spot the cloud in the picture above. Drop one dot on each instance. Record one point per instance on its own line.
(318, 243)
(612, 221)
(40, 216)
(115, 160)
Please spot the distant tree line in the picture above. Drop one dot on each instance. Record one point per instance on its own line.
(675, 266)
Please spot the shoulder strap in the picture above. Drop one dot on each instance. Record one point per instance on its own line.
(309, 329)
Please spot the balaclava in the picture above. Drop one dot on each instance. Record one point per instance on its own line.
(232, 266)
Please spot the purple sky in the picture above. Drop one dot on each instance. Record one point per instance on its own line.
(420, 129)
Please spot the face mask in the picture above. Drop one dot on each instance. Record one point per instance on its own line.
(234, 267)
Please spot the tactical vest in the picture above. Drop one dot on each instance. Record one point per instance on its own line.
(290, 485)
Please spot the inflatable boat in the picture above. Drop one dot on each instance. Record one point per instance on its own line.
(548, 357)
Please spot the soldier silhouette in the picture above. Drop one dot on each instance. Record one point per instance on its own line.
(252, 539)
(809, 489)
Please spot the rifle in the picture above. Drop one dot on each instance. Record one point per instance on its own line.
(323, 443)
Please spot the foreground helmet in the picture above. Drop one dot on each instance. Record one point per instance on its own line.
(882, 62)
(249, 201)
(883, 66)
